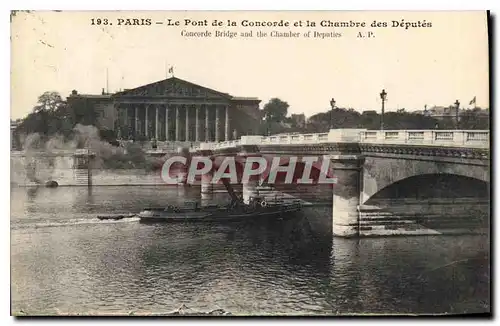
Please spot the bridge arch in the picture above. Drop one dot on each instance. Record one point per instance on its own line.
(381, 173)
(432, 186)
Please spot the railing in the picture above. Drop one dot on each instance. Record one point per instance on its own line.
(267, 140)
(478, 136)
(446, 138)
(295, 139)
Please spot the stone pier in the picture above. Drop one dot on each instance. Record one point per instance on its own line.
(207, 189)
(250, 190)
(346, 194)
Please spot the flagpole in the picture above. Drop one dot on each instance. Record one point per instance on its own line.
(171, 70)
(473, 101)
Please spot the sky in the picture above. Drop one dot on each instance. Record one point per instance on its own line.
(62, 51)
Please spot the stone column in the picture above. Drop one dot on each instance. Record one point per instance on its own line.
(187, 122)
(197, 136)
(166, 122)
(347, 169)
(116, 119)
(207, 125)
(146, 122)
(217, 123)
(136, 121)
(126, 135)
(157, 122)
(226, 124)
(177, 124)
(119, 122)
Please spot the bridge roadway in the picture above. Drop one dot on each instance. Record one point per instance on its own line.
(390, 182)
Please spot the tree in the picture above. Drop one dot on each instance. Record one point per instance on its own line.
(474, 119)
(370, 120)
(49, 102)
(275, 110)
(53, 116)
(336, 118)
(447, 123)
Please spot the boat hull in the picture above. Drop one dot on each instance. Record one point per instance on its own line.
(216, 216)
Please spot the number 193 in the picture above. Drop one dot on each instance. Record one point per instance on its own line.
(99, 21)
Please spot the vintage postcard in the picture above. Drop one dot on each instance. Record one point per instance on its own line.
(250, 163)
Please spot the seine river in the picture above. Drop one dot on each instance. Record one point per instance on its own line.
(64, 260)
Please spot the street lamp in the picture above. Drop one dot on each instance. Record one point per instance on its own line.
(457, 106)
(332, 104)
(383, 96)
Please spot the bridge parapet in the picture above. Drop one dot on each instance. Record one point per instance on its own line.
(334, 135)
(443, 138)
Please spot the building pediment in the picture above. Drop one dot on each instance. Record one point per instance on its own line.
(173, 87)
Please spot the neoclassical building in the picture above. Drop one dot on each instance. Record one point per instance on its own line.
(174, 110)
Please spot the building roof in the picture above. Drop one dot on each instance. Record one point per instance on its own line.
(91, 95)
(75, 94)
(174, 86)
(240, 98)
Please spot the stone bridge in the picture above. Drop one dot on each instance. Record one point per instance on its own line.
(388, 182)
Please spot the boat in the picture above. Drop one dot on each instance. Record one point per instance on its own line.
(114, 217)
(192, 212)
(237, 210)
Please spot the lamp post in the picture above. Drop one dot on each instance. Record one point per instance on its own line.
(332, 104)
(383, 96)
(457, 106)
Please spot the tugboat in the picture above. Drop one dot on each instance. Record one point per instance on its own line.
(237, 210)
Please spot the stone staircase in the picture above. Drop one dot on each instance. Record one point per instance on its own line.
(376, 221)
(81, 177)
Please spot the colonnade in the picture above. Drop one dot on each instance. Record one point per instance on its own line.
(172, 122)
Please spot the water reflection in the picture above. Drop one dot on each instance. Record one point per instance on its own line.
(31, 193)
(284, 267)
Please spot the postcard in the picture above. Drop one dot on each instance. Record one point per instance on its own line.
(250, 163)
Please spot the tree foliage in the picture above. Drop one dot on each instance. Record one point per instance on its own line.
(474, 119)
(350, 118)
(275, 110)
(53, 116)
(274, 113)
(49, 102)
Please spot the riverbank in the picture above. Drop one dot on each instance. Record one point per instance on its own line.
(80, 177)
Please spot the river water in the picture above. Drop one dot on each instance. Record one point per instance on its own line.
(64, 260)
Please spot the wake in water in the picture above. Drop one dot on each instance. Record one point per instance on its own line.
(70, 222)
(86, 218)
